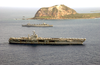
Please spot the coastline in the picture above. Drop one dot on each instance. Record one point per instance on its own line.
(75, 16)
(58, 18)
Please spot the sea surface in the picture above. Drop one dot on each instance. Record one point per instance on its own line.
(86, 54)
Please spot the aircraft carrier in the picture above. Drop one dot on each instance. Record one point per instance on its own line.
(34, 39)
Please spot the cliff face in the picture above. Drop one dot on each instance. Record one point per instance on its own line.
(55, 11)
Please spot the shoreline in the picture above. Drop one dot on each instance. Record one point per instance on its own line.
(75, 16)
(58, 18)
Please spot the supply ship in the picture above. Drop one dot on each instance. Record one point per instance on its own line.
(34, 39)
(37, 25)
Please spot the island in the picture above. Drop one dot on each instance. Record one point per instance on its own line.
(62, 12)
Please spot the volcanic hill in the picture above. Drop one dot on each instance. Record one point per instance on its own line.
(54, 12)
(62, 12)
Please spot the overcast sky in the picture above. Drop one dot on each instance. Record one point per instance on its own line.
(48, 3)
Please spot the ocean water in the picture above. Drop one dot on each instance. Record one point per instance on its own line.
(86, 54)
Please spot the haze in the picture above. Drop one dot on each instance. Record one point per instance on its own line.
(48, 3)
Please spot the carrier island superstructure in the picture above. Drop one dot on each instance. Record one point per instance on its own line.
(34, 39)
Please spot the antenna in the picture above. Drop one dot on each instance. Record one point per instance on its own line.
(33, 32)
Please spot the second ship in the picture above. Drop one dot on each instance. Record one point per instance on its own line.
(37, 25)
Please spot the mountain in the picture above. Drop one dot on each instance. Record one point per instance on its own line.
(62, 12)
(56, 11)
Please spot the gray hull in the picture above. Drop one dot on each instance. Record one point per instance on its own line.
(37, 26)
(55, 43)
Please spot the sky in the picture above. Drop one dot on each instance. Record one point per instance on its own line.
(48, 3)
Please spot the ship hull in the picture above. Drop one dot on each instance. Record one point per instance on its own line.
(37, 26)
(49, 43)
